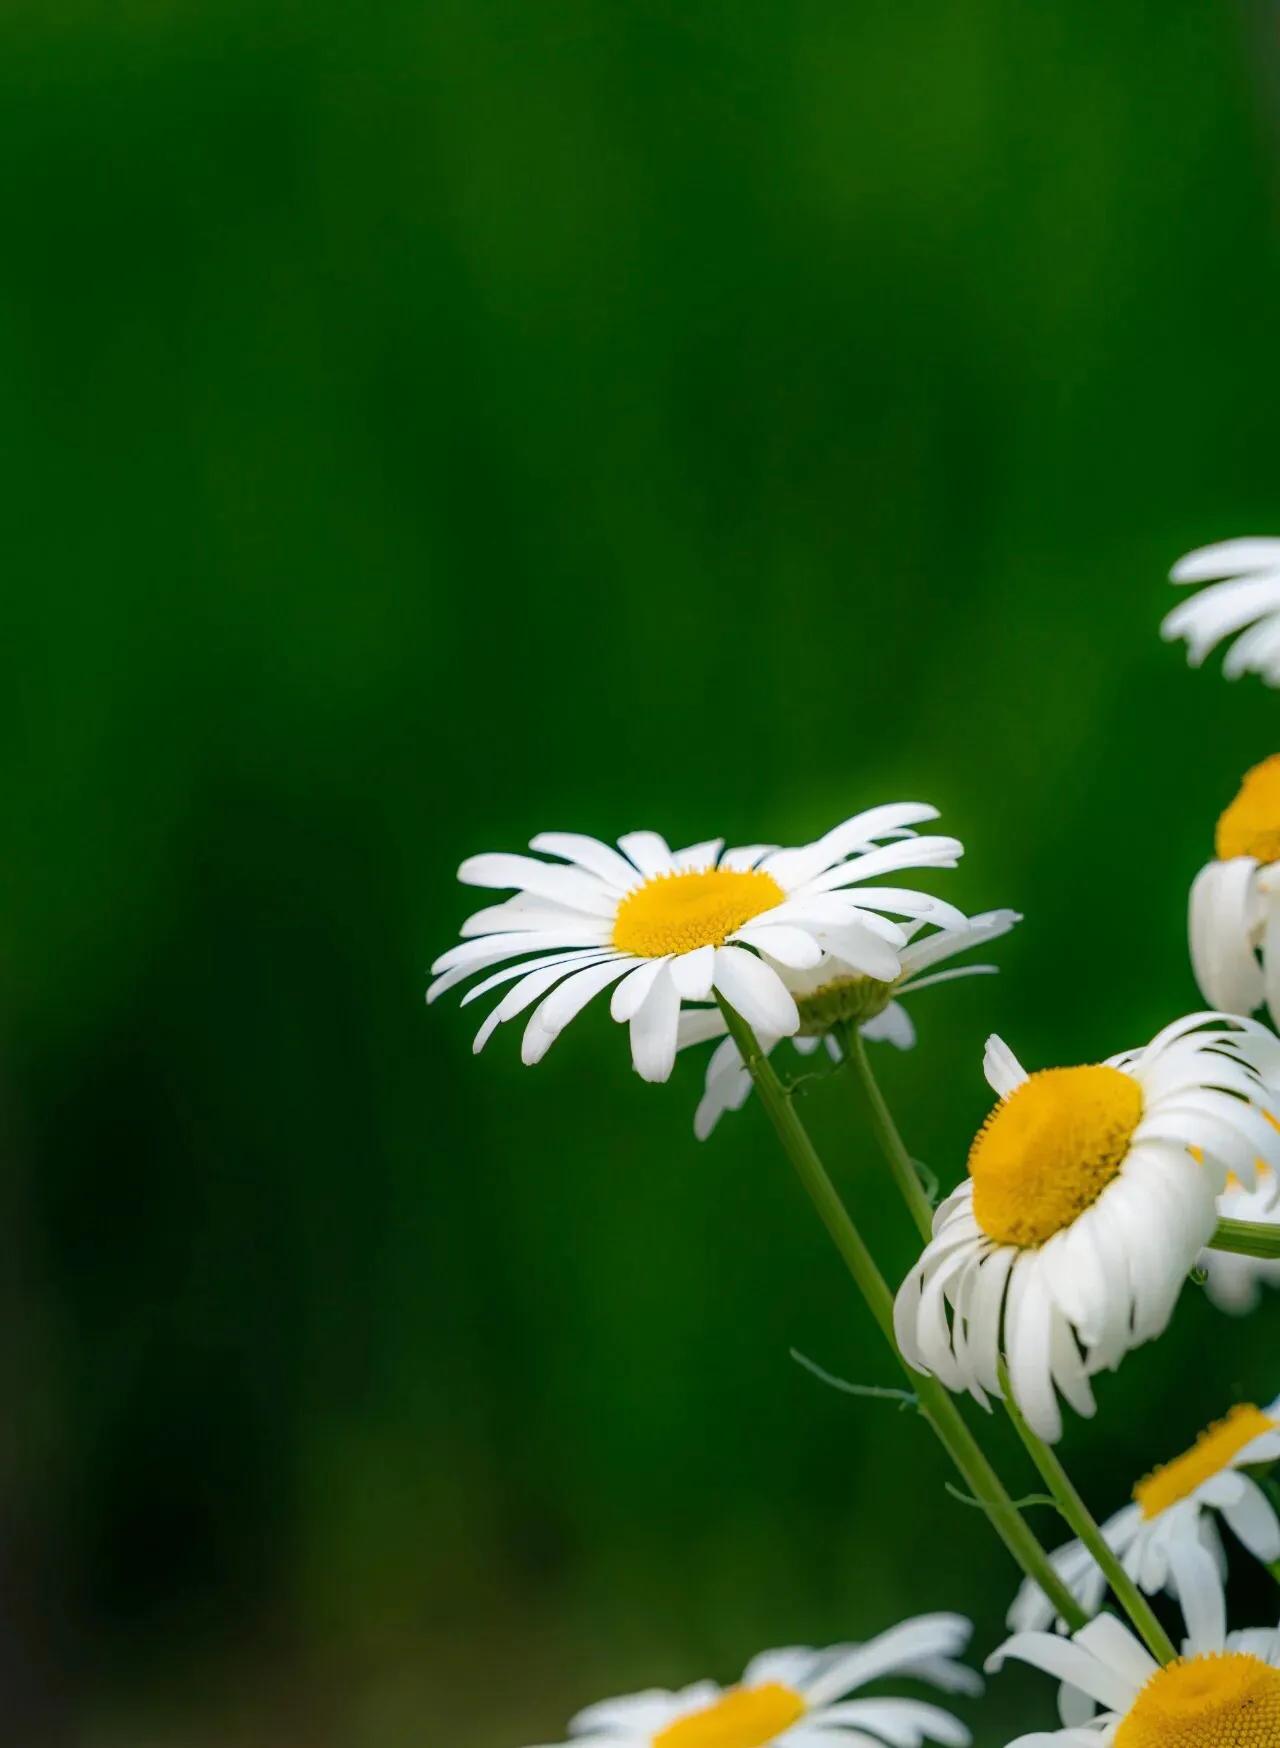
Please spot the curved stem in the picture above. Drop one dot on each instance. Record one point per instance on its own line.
(894, 1148)
(1069, 1503)
(935, 1404)
(1077, 1515)
(1248, 1238)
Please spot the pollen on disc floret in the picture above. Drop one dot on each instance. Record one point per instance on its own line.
(745, 1717)
(1217, 1700)
(1214, 1450)
(678, 913)
(1047, 1152)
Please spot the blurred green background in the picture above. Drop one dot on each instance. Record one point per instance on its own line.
(425, 425)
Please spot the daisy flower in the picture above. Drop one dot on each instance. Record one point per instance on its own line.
(1223, 1692)
(1084, 1210)
(1235, 901)
(1235, 1283)
(1172, 1512)
(833, 992)
(796, 1699)
(1246, 599)
(668, 926)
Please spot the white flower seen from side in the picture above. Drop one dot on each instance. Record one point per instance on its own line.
(1243, 596)
(1234, 919)
(1224, 1692)
(1084, 1210)
(1161, 1536)
(799, 1699)
(833, 992)
(667, 927)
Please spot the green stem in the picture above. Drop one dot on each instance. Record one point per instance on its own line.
(1055, 1477)
(894, 1148)
(935, 1404)
(1248, 1238)
(1077, 1515)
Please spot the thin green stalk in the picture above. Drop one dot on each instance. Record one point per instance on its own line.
(1077, 1515)
(1248, 1238)
(935, 1404)
(894, 1148)
(1055, 1477)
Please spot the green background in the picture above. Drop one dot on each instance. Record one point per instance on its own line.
(425, 425)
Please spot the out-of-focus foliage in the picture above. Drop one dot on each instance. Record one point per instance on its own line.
(427, 425)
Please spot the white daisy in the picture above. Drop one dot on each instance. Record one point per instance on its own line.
(1248, 601)
(673, 926)
(1084, 1211)
(1223, 1692)
(1172, 1513)
(1235, 901)
(796, 1698)
(833, 992)
(1235, 1283)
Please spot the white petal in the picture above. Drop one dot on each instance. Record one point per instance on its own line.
(574, 956)
(649, 852)
(525, 993)
(1252, 1518)
(654, 1029)
(469, 956)
(599, 859)
(692, 973)
(698, 856)
(946, 944)
(1221, 610)
(1003, 1070)
(861, 948)
(898, 1649)
(568, 886)
(956, 971)
(783, 942)
(548, 1021)
(1271, 954)
(1227, 558)
(698, 1025)
(792, 867)
(903, 1723)
(1199, 1587)
(1068, 1662)
(631, 994)
(746, 855)
(1028, 1344)
(892, 1026)
(1219, 926)
(1114, 1644)
(755, 992)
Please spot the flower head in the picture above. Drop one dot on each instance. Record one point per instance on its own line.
(667, 927)
(1161, 1534)
(1247, 600)
(833, 992)
(1224, 1692)
(796, 1699)
(1084, 1210)
(1235, 901)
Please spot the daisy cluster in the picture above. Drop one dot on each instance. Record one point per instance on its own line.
(1091, 1195)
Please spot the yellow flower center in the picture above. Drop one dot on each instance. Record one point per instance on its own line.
(1215, 1450)
(1251, 825)
(745, 1717)
(1225, 1701)
(674, 913)
(1048, 1151)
